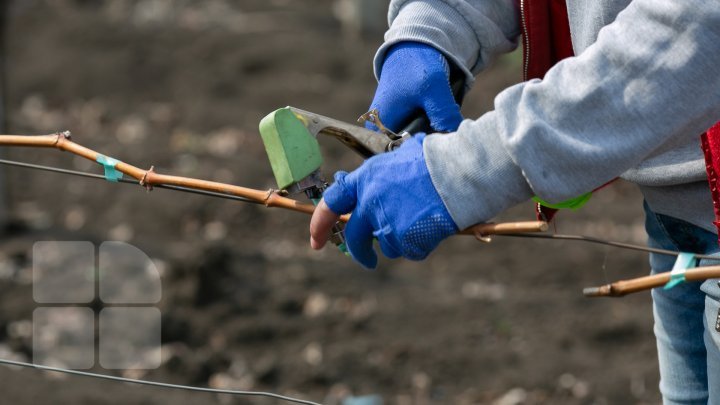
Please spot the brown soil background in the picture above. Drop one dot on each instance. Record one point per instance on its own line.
(246, 304)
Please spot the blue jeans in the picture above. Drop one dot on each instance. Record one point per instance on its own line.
(686, 316)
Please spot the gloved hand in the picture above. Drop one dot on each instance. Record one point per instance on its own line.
(391, 197)
(415, 77)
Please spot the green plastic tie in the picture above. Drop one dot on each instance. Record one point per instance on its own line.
(573, 203)
(108, 164)
(677, 275)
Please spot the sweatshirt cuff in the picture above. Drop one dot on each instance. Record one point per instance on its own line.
(473, 172)
(434, 23)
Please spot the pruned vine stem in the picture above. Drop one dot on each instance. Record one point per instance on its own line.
(270, 198)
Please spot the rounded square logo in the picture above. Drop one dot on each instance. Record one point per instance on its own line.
(64, 337)
(129, 338)
(127, 275)
(63, 272)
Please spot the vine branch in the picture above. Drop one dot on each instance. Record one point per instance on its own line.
(270, 198)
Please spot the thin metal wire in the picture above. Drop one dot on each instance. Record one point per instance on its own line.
(622, 245)
(126, 181)
(581, 238)
(158, 384)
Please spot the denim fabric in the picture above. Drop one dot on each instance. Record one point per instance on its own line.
(685, 316)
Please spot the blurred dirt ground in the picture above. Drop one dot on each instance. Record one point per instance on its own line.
(246, 304)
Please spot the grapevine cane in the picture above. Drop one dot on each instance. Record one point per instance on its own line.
(270, 198)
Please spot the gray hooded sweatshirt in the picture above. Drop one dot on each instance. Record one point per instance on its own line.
(644, 85)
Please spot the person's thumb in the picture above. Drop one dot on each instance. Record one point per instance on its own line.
(359, 239)
(442, 110)
(341, 196)
(394, 109)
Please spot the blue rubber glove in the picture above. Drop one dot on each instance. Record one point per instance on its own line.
(392, 198)
(415, 77)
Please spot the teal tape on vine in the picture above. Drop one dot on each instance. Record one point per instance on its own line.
(677, 275)
(573, 203)
(108, 164)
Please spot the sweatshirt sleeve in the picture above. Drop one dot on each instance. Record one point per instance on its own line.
(648, 83)
(470, 33)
